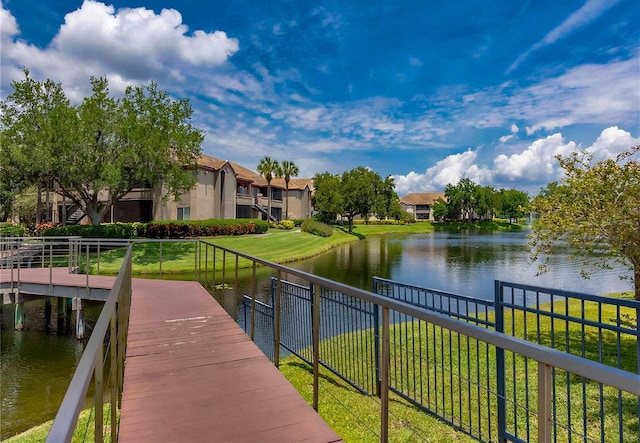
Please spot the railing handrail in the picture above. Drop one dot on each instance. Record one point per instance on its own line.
(572, 294)
(65, 421)
(589, 369)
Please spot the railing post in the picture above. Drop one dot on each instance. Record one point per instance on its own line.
(213, 272)
(206, 262)
(545, 401)
(315, 329)
(224, 273)
(99, 398)
(384, 377)
(113, 340)
(253, 302)
(376, 338)
(196, 260)
(86, 271)
(237, 283)
(276, 332)
(500, 369)
(161, 259)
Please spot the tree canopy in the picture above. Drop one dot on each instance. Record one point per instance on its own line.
(359, 191)
(595, 210)
(95, 152)
(467, 200)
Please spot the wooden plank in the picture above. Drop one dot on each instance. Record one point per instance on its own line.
(193, 375)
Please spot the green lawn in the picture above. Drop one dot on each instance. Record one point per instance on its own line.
(84, 429)
(365, 230)
(279, 246)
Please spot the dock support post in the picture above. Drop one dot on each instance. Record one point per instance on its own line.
(69, 306)
(79, 318)
(19, 316)
(60, 312)
(47, 312)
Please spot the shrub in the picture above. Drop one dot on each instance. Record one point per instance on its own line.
(282, 224)
(105, 230)
(298, 222)
(204, 228)
(11, 230)
(140, 229)
(317, 228)
(43, 227)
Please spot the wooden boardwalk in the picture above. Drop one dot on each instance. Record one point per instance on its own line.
(192, 375)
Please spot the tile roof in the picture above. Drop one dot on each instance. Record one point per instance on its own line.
(245, 174)
(422, 198)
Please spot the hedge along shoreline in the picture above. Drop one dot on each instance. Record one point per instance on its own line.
(163, 229)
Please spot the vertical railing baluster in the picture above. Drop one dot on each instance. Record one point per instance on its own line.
(113, 340)
(545, 401)
(384, 378)
(206, 263)
(500, 369)
(253, 302)
(276, 334)
(98, 396)
(161, 259)
(237, 282)
(315, 297)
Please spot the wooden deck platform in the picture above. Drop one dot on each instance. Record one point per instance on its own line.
(192, 375)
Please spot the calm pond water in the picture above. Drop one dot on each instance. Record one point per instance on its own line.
(37, 363)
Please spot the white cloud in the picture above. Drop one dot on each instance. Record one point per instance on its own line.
(536, 164)
(514, 129)
(129, 45)
(591, 93)
(449, 170)
(611, 142)
(530, 169)
(506, 138)
(588, 13)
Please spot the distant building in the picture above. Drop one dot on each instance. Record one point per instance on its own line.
(420, 204)
(223, 190)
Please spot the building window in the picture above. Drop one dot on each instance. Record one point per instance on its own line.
(423, 207)
(243, 211)
(184, 213)
(242, 189)
(276, 194)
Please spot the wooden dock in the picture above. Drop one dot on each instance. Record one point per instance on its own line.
(192, 375)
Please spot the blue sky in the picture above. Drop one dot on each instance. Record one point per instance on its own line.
(426, 91)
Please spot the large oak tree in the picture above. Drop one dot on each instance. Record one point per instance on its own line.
(359, 191)
(595, 210)
(95, 152)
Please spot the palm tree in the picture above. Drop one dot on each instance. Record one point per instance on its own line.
(289, 169)
(269, 168)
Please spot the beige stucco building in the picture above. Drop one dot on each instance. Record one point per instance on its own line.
(421, 204)
(224, 190)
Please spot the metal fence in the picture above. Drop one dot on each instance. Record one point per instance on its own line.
(348, 346)
(441, 352)
(485, 391)
(492, 394)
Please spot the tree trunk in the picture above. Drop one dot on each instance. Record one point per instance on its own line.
(38, 206)
(636, 281)
(286, 210)
(268, 202)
